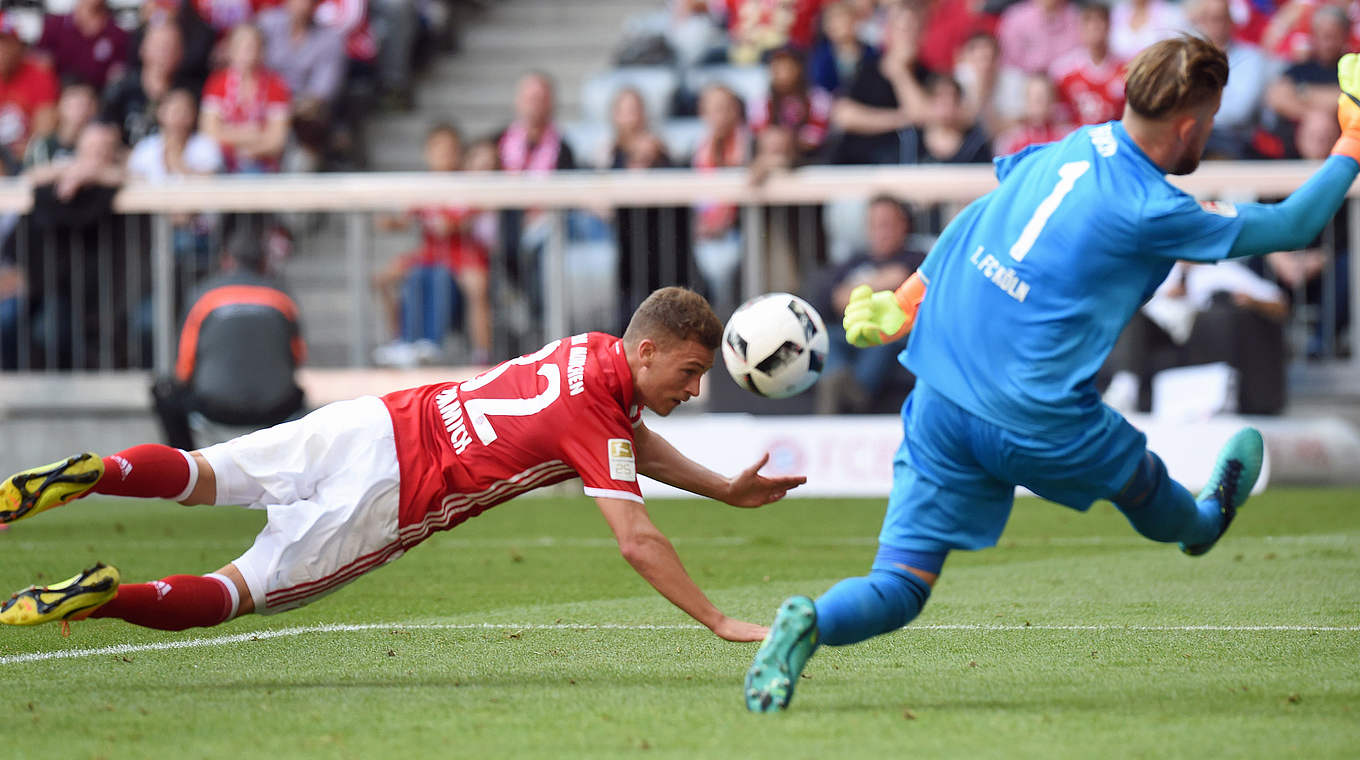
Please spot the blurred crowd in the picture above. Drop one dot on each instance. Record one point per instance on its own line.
(172, 88)
(207, 86)
(955, 81)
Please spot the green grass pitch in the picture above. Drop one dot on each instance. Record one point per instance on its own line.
(1073, 638)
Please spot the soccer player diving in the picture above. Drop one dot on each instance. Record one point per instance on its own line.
(1011, 315)
(355, 484)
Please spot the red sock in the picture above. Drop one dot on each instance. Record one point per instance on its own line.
(149, 471)
(171, 604)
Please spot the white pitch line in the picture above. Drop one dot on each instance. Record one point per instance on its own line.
(276, 633)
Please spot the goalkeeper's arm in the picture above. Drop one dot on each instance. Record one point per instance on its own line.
(1297, 220)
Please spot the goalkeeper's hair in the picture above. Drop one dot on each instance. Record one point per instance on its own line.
(1174, 75)
(674, 314)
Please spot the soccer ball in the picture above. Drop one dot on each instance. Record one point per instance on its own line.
(774, 345)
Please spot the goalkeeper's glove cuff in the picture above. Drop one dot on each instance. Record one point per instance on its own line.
(1348, 145)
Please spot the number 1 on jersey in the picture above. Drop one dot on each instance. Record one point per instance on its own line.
(1068, 174)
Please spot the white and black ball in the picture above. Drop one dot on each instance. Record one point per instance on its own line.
(775, 345)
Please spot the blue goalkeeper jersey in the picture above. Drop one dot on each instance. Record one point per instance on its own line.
(1029, 287)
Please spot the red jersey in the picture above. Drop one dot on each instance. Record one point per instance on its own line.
(809, 116)
(1094, 93)
(947, 25)
(1020, 136)
(564, 411)
(759, 25)
(30, 88)
(443, 244)
(269, 99)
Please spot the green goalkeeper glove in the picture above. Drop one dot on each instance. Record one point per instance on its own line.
(1348, 107)
(872, 319)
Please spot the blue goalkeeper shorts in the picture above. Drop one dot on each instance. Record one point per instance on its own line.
(955, 474)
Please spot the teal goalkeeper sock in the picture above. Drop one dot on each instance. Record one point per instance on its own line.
(860, 608)
(1161, 509)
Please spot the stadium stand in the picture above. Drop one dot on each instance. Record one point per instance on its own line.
(668, 52)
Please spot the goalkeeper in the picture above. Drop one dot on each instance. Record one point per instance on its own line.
(1012, 313)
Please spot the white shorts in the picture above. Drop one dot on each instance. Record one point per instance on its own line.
(331, 484)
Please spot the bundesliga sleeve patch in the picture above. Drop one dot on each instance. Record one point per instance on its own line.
(621, 464)
(1221, 208)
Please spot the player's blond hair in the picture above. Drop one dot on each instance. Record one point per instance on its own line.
(1174, 75)
(674, 314)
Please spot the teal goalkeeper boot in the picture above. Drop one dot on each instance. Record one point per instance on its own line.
(780, 661)
(1235, 474)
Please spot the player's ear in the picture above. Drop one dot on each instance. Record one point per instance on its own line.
(646, 350)
(1185, 125)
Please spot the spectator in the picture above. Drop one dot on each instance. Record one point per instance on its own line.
(1288, 36)
(73, 256)
(655, 244)
(77, 106)
(239, 349)
(694, 34)
(838, 51)
(1090, 79)
(1135, 24)
(724, 144)
(1239, 113)
(992, 95)
(246, 106)
(1311, 84)
(857, 381)
(531, 145)
(85, 44)
(884, 97)
(222, 16)
(175, 151)
(793, 103)
(945, 134)
(388, 43)
(793, 238)
(1041, 122)
(1035, 33)
(448, 271)
(628, 116)
(131, 101)
(1203, 314)
(756, 27)
(948, 25)
(95, 162)
(311, 59)
(196, 38)
(28, 96)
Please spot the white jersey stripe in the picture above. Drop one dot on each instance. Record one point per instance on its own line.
(456, 504)
(610, 493)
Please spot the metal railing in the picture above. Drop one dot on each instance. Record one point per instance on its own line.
(141, 279)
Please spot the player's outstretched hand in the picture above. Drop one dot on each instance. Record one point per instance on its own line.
(739, 630)
(751, 489)
(871, 317)
(1348, 106)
